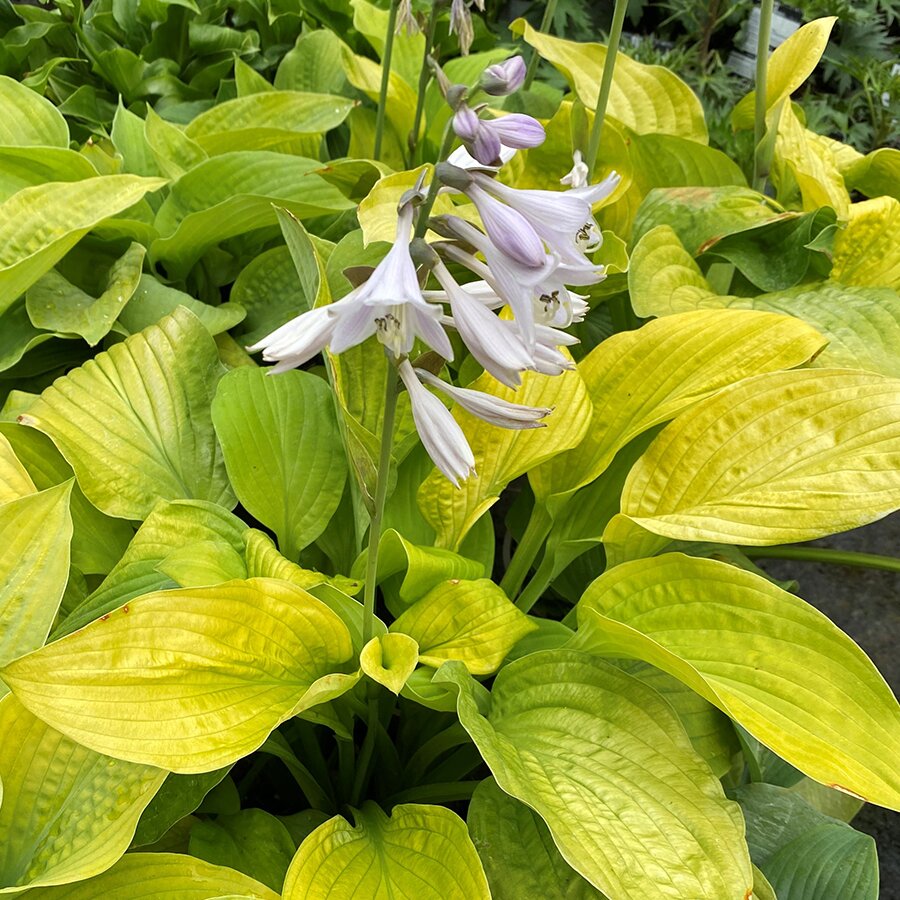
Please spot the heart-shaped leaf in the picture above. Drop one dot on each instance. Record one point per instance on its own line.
(420, 851)
(604, 761)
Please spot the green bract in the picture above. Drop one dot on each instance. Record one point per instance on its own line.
(254, 641)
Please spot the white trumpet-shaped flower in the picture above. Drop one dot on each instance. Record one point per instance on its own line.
(389, 304)
(561, 219)
(494, 410)
(439, 432)
(497, 347)
(509, 277)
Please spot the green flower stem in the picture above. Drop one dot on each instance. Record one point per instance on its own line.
(760, 153)
(426, 207)
(381, 486)
(364, 763)
(549, 13)
(612, 48)
(538, 584)
(424, 77)
(439, 792)
(824, 555)
(445, 740)
(385, 78)
(526, 551)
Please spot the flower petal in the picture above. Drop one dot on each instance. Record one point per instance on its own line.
(509, 230)
(488, 407)
(439, 432)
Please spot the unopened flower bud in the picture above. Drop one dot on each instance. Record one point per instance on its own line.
(453, 176)
(503, 78)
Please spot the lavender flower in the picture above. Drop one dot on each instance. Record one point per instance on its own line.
(504, 78)
(390, 305)
(485, 138)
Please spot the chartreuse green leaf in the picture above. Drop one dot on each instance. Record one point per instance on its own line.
(39, 225)
(264, 561)
(390, 659)
(472, 621)
(818, 454)
(790, 64)
(282, 450)
(173, 151)
(804, 854)
(189, 680)
(702, 215)
(862, 323)
(365, 75)
(55, 304)
(408, 49)
(29, 120)
(420, 851)
(502, 455)
(867, 251)
(178, 797)
(35, 532)
(378, 212)
(134, 422)
(252, 841)
(517, 851)
(422, 567)
(876, 173)
(768, 659)
(638, 379)
(269, 290)
(645, 98)
(22, 167)
(68, 812)
(262, 120)
(604, 761)
(161, 876)
(711, 732)
(98, 540)
(232, 194)
(172, 529)
(153, 301)
(15, 481)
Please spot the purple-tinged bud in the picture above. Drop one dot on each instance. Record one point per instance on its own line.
(503, 78)
(517, 131)
(482, 142)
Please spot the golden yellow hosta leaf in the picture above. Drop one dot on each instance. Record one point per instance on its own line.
(161, 876)
(767, 658)
(645, 98)
(390, 659)
(188, 680)
(420, 851)
(638, 379)
(790, 64)
(802, 160)
(867, 251)
(787, 456)
(472, 621)
(67, 812)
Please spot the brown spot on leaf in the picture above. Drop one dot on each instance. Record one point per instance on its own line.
(104, 618)
(125, 609)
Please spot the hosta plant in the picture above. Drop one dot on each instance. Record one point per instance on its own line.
(387, 443)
